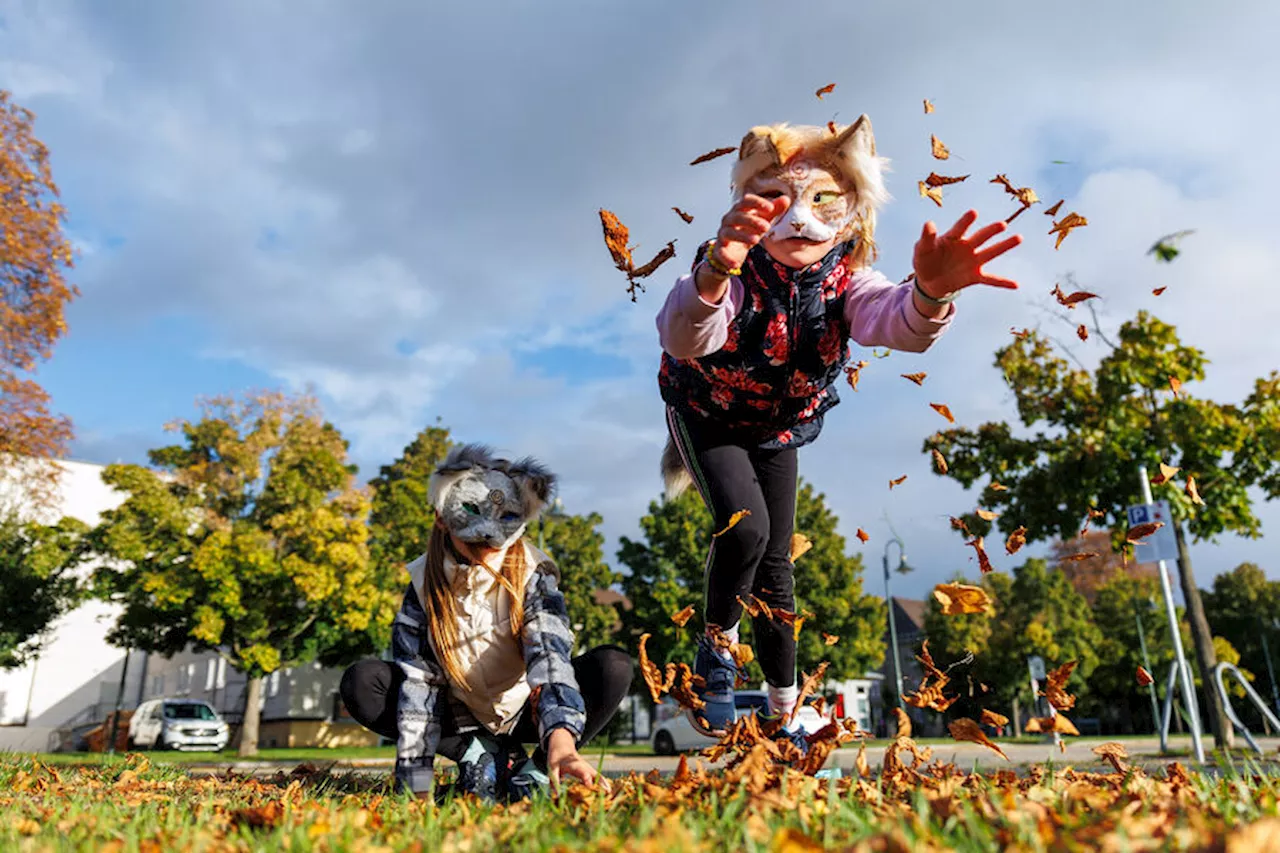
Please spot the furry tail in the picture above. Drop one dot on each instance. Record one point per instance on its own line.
(675, 476)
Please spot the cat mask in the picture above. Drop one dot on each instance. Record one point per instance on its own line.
(831, 174)
(484, 500)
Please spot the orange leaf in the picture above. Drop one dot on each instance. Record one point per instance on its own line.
(1019, 334)
(940, 151)
(653, 677)
(1016, 540)
(853, 372)
(1141, 531)
(968, 730)
(936, 180)
(1144, 677)
(685, 216)
(683, 616)
(830, 639)
(1025, 195)
(1055, 687)
(862, 535)
(958, 599)
(958, 524)
(1166, 474)
(984, 562)
(991, 718)
(831, 126)
(942, 409)
(939, 462)
(665, 254)
(986, 514)
(898, 482)
(1064, 226)
(753, 609)
(825, 90)
(1193, 492)
(934, 194)
(1156, 291)
(616, 237)
(1073, 299)
(733, 522)
(997, 487)
(807, 685)
(1053, 211)
(864, 770)
(1082, 332)
(800, 546)
(711, 155)
(1175, 385)
(917, 378)
(928, 108)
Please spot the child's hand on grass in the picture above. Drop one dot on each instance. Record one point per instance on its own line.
(563, 759)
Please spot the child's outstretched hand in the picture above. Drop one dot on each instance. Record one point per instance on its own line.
(951, 262)
(744, 225)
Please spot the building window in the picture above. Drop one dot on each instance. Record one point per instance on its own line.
(273, 686)
(222, 673)
(210, 672)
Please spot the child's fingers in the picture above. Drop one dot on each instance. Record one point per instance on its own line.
(986, 232)
(998, 281)
(929, 233)
(739, 235)
(962, 225)
(746, 221)
(998, 249)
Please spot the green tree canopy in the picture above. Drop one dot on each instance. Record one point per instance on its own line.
(401, 518)
(1244, 607)
(578, 550)
(38, 582)
(248, 539)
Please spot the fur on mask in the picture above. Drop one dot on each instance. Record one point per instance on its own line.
(483, 499)
(848, 154)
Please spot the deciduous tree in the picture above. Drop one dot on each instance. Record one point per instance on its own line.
(577, 548)
(38, 582)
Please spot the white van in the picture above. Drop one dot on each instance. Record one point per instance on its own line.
(177, 724)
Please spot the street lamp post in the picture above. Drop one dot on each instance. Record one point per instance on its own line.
(893, 625)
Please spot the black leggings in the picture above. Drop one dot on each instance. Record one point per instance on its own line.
(371, 691)
(755, 556)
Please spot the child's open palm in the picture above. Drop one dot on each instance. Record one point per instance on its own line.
(952, 261)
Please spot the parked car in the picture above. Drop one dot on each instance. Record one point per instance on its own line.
(177, 724)
(674, 733)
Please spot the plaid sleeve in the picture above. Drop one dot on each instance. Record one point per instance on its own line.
(548, 647)
(417, 714)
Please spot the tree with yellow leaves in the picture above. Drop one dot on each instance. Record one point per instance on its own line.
(249, 540)
(34, 255)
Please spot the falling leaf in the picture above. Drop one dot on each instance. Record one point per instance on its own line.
(1053, 211)
(1158, 290)
(665, 254)
(1064, 226)
(997, 487)
(800, 546)
(1019, 334)
(959, 599)
(936, 180)
(683, 616)
(1073, 299)
(1016, 540)
(1044, 725)
(1175, 385)
(897, 482)
(934, 194)
(917, 378)
(752, 609)
(1141, 531)
(1114, 754)
(940, 151)
(1082, 332)
(830, 639)
(653, 676)
(733, 522)
(968, 730)
(1076, 558)
(887, 352)
(986, 514)
(854, 372)
(991, 718)
(1165, 249)
(808, 684)
(928, 106)
(616, 237)
(1166, 474)
(939, 462)
(1193, 492)
(1144, 677)
(1055, 687)
(259, 817)
(687, 217)
(941, 408)
(711, 155)
(831, 126)
(862, 535)
(958, 524)
(903, 721)
(864, 770)
(984, 562)
(1026, 196)
(825, 90)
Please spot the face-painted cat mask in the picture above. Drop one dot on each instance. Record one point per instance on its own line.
(487, 501)
(833, 177)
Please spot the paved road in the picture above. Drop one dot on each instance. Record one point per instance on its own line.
(1079, 753)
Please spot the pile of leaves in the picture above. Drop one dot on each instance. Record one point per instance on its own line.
(910, 804)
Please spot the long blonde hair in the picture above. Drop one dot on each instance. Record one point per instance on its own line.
(441, 605)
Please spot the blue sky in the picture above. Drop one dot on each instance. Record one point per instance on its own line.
(396, 205)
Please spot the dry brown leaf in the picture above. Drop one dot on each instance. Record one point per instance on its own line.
(968, 730)
(1082, 332)
(1044, 725)
(997, 487)
(1076, 558)
(687, 217)
(853, 373)
(860, 763)
(825, 90)
(1141, 531)
(800, 546)
(984, 562)
(1016, 540)
(1055, 687)
(936, 180)
(903, 721)
(939, 462)
(1166, 474)
(942, 409)
(1053, 211)
(1156, 291)
(711, 155)
(917, 378)
(1064, 226)
(683, 616)
(862, 535)
(958, 524)
(829, 639)
(832, 129)
(733, 522)
(1019, 334)
(1073, 299)
(898, 482)
(808, 684)
(959, 599)
(928, 106)
(1144, 677)
(616, 238)
(665, 254)
(653, 677)
(986, 514)
(1114, 754)
(940, 151)
(1175, 385)
(991, 718)
(934, 194)
(1193, 492)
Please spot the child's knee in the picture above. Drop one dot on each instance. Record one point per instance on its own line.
(748, 538)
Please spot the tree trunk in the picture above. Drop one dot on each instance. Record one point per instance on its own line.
(1223, 733)
(252, 715)
(1017, 721)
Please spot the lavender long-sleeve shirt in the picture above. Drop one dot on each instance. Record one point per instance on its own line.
(880, 314)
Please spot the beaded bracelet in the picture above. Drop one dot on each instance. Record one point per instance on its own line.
(717, 266)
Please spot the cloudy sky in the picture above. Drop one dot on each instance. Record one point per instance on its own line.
(395, 203)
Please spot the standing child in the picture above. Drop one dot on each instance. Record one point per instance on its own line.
(482, 645)
(754, 339)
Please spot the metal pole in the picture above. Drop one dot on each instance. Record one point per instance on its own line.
(115, 717)
(1188, 689)
(1266, 654)
(1151, 688)
(893, 625)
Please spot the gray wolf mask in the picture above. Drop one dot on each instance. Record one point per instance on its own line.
(484, 500)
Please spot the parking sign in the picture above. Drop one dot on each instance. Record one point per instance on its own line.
(1161, 545)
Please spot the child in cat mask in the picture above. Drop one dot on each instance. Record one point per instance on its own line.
(754, 340)
(482, 645)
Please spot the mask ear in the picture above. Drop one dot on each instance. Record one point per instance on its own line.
(460, 462)
(855, 156)
(857, 139)
(535, 483)
(756, 153)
